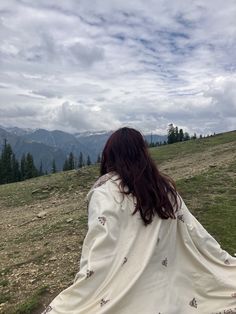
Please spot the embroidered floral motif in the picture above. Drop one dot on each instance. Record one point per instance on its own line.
(103, 301)
(181, 217)
(89, 273)
(103, 179)
(47, 310)
(125, 260)
(165, 262)
(102, 220)
(227, 262)
(229, 311)
(193, 303)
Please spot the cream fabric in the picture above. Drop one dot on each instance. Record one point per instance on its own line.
(168, 267)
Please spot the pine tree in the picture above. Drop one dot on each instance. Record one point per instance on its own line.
(81, 160)
(98, 159)
(181, 135)
(41, 168)
(171, 134)
(71, 161)
(9, 165)
(23, 167)
(88, 161)
(6, 163)
(30, 169)
(66, 165)
(186, 136)
(176, 133)
(54, 168)
(16, 175)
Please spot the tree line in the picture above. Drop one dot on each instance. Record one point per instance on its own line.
(13, 170)
(71, 161)
(176, 134)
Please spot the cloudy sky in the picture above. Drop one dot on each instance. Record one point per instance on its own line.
(79, 65)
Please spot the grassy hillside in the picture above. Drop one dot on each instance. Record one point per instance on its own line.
(43, 221)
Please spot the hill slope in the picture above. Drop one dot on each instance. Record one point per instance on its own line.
(40, 256)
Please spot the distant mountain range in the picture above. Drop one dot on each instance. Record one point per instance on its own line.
(47, 145)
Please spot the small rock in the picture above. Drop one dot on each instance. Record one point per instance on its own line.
(69, 220)
(42, 214)
(68, 248)
(44, 191)
(35, 191)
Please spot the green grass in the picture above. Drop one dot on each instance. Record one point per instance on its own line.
(215, 194)
(4, 297)
(4, 282)
(31, 303)
(178, 150)
(52, 228)
(36, 189)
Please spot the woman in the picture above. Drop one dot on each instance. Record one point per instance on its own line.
(144, 252)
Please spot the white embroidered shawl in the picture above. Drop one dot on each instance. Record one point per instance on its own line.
(171, 266)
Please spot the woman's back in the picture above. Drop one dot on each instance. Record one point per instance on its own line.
(172, 266)
(144, 252)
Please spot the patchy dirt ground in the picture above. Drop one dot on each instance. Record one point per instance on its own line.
(43, 222)
(41, 244)
(200, 162)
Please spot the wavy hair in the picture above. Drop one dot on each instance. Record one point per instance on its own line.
(127, 154)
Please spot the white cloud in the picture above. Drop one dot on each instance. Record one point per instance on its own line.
(222, 92)
(102, 64)
(82, 117)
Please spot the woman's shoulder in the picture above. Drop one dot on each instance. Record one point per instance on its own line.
(103, 180)
(108, 182)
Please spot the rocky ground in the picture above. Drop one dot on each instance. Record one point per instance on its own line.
(41, 242)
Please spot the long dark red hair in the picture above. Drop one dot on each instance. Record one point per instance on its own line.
(126, 153)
